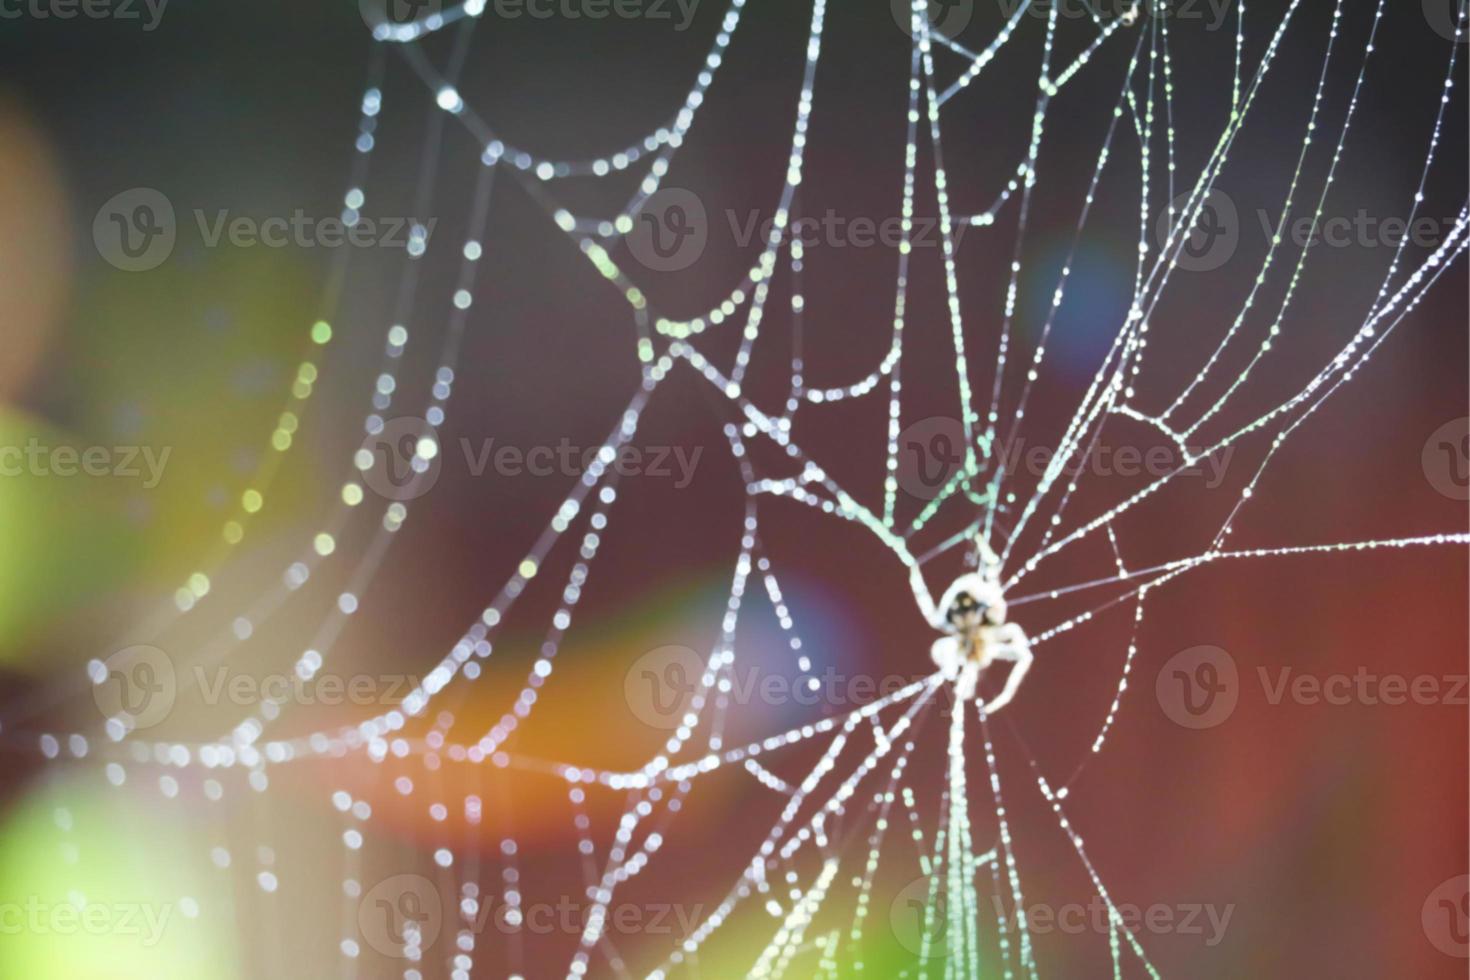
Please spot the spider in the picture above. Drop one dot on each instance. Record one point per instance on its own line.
(972, 614)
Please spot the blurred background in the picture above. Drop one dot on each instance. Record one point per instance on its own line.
(1326, 838)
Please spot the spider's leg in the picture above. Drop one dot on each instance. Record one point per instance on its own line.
(968, 681)
(1017, 650)
(948, 654)
(934, 614)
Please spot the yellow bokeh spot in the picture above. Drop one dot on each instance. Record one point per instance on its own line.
(528, 569)
(134, 912)
(352, 494)
(252, 501)
(324, 544)
(234, 532)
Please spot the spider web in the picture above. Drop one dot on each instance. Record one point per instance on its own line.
(853, 809)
